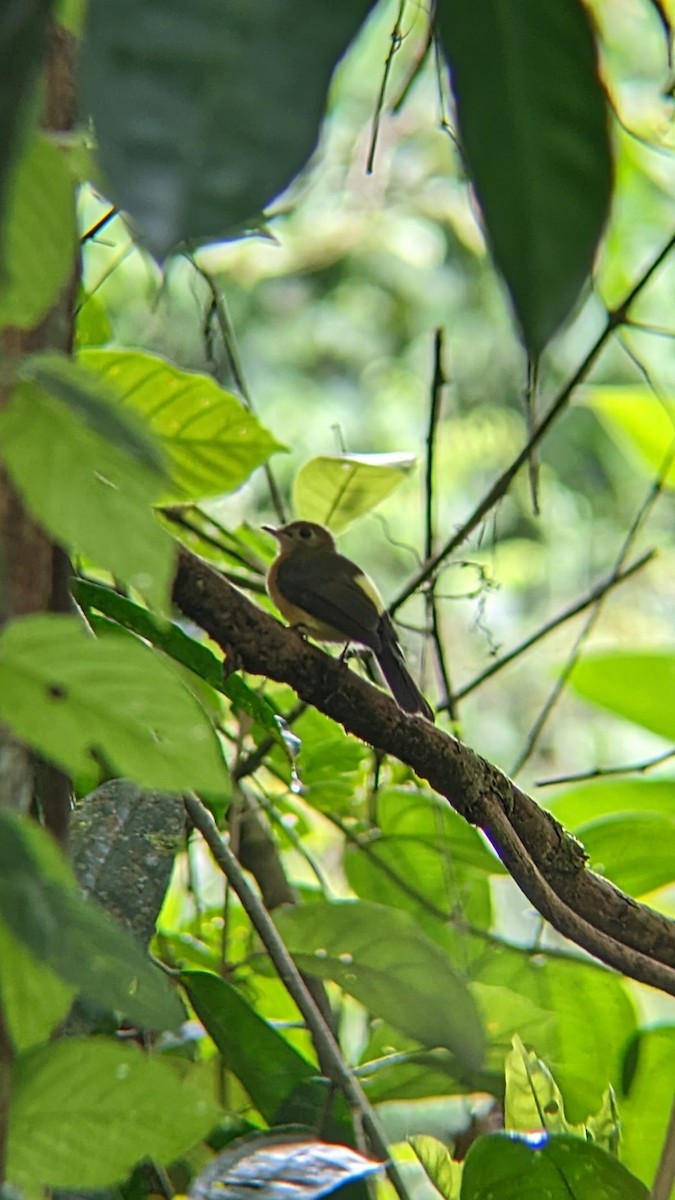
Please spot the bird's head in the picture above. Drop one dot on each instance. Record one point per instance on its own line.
(306, 534)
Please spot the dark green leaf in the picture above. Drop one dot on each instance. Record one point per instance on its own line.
(23, 27)
(232, 96)
(267, 1066)
(85, 1111)
(561, 1168)
(379, 956)
(123, 842)
(533, 125)
(42, 908)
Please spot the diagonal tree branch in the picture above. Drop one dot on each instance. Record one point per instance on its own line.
(546, 862)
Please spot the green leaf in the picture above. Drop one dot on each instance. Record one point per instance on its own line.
(23, 27)
(336, 489)
(632, 685)
(646, 1105)
(438, 1164)
(423, 852)
(267, 1066)
(85, 1111)
(32, 996)
(533, 125)
(40, 238)
(561, 1168)
(87, 491)
(172, 640)
(533, 1099)
(576, 805)
(92, 325)
(214, 149)
(380, 957)
(212, 443)
(96, 405)
(639, 421)
(42, 908)
(78, 699)
(635, 850)
(591, 1017)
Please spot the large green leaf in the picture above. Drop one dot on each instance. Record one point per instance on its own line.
(423, 855)
(78, 700)
(380, 957)
(642, 423)
(231, 95)
(85, 1111)
(637, 686)
(89, 486)
(635, 850)
(39, 235)
(267, 1066)
(177, 644)
(533, 125)
(590, 1018)
(335, 490)
(211, 442)
(42, 908)
(646, 1105)
(34, 998)
(560, 1168)
(601, 797)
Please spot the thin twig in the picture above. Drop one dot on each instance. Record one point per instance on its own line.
(96, 228)
(438, 382)
(327, 1047)
(603, 772)
(221, 311)
(531, 413)
(421, 57)
(562, 680)
(615, 318)
(395, 42)
(599, 590)
(665, 1172)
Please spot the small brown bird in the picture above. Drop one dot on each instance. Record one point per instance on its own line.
(322, 593)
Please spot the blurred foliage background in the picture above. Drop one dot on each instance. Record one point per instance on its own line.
(334, 310)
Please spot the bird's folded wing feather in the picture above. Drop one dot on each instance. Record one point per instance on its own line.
(328, 587)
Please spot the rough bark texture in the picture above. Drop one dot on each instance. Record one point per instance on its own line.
(547, 862)
(32, 569)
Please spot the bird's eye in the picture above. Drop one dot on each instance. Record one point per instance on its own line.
(305, 532)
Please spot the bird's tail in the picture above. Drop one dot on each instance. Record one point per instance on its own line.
(404, 689)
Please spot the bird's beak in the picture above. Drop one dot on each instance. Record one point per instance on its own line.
(276, 533)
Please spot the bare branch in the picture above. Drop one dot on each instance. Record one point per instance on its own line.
(615, 318)
(329, 1052)
(601, 589)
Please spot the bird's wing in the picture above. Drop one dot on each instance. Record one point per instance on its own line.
(335, 591)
